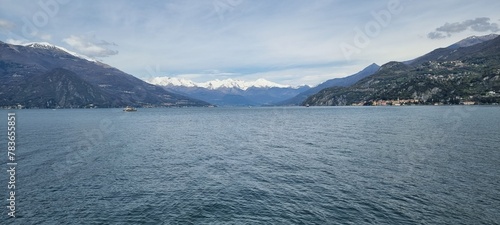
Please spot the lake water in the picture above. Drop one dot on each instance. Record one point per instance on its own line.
(331, 165)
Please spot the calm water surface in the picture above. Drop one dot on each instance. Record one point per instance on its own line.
(332, 165)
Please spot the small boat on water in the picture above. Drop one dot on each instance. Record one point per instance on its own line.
(129, 109)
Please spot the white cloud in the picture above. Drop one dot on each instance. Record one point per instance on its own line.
(5, 24)
(305, 76)
(15, 41)
(207, 75)
(89, 46)
(481, 24)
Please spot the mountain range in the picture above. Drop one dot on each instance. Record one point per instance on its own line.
(467, 72)
(216, 84)
(230, 92)
(41, 75)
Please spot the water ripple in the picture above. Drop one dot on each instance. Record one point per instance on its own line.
(260, 166)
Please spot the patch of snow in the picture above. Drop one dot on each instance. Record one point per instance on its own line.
(171, 81)
(45, 45)
(215, 84)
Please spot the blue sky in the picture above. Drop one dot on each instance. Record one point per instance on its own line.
(286, 41)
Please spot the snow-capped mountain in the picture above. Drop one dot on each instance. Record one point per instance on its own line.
(171, 81)
(41, 75)
(240, 84)
(473, 40)
(48, 46)
(230, 92)
(216, 84)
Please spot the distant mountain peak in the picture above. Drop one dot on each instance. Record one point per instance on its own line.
(335, 82)
(43, 45)
(489, 36)
(472, 40)
(171, 81)
(371, 67)
(48, 46)
(216, 84)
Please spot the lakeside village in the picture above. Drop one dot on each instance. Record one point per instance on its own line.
(402, 102)
(456, 101)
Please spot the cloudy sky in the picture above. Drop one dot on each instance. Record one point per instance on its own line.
(286, 41)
